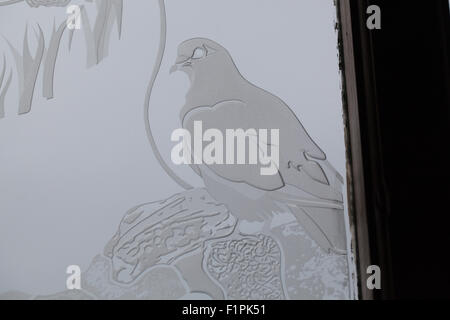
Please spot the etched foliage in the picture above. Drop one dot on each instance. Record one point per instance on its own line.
(28, 65)
(28, 69)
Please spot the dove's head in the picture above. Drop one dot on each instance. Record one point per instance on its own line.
(200, 55)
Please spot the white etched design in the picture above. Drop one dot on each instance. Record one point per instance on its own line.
(248, 267)
(161, 232)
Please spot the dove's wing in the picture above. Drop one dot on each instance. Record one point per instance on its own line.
(234, 115)
(299, 157)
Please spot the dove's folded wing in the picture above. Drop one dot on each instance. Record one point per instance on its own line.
(299, 157)
(234, 115)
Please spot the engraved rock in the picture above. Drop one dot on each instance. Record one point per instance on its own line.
(160, 282)
(159, 233)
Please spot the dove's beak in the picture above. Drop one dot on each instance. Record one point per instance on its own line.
(181, 62)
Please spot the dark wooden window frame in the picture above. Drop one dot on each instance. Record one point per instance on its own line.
(368, 117)
(350, 65)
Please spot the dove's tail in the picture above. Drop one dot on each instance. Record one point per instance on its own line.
(324, 225)
(323, 219)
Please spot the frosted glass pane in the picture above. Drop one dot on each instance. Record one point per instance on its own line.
(121, 127)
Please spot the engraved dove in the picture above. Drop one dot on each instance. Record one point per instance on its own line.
(221, 98)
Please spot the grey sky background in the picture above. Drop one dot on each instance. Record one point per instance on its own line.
(71, 168)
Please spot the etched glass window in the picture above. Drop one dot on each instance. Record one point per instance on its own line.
(172, 150)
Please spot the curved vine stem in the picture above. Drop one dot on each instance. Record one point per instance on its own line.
(156, 69)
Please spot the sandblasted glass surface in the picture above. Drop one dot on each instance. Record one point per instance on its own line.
(172, 150)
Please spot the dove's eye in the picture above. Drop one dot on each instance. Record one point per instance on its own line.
(198, 53)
